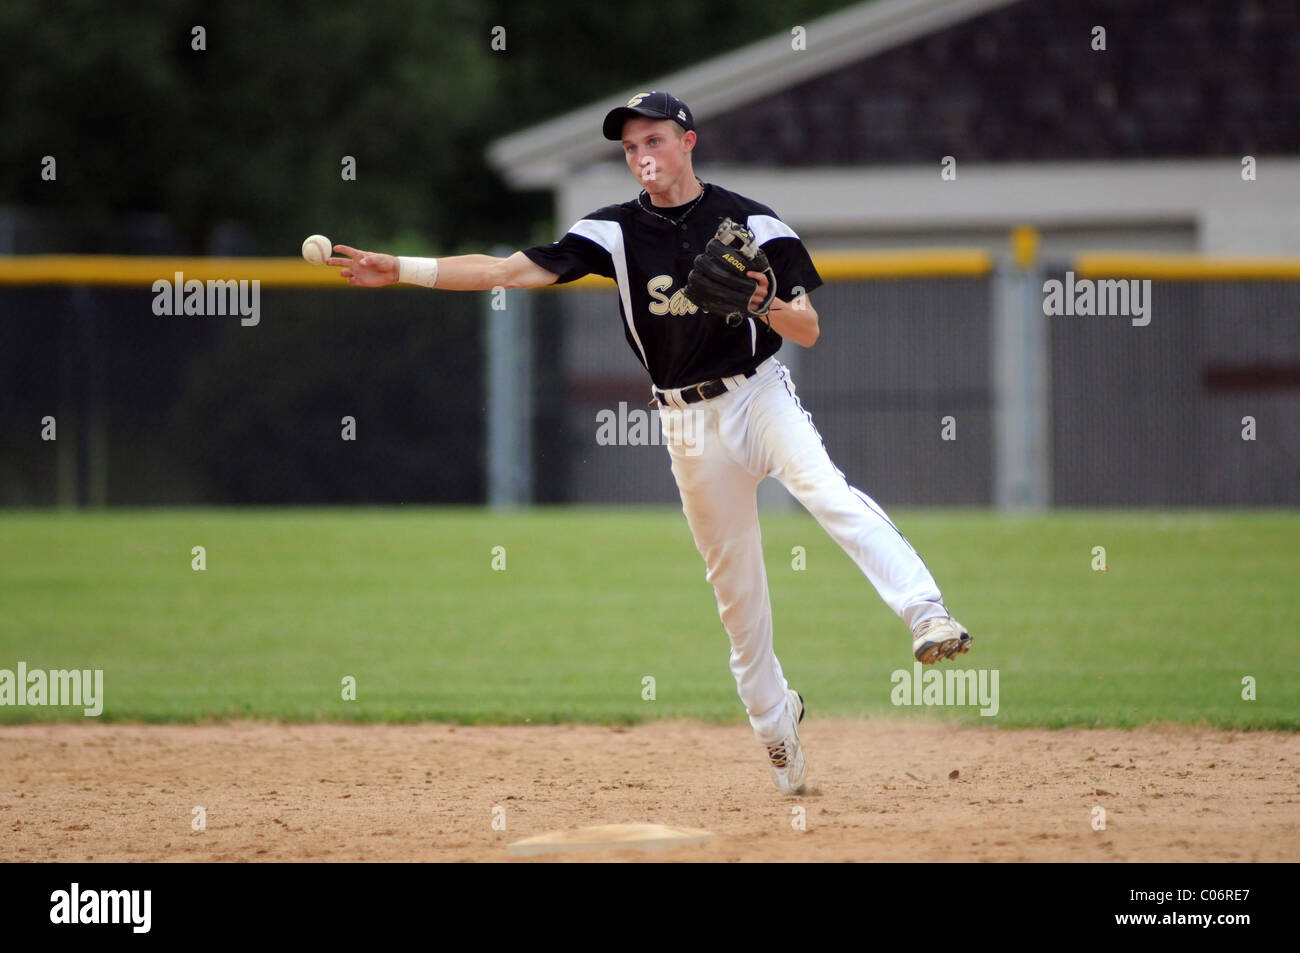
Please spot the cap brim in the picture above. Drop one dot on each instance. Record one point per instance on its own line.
(613, 127)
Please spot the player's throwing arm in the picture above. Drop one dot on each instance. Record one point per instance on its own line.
(458, 273)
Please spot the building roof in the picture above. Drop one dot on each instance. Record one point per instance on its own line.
(542, 155)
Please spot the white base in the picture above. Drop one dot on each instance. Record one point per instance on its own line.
(646, 837)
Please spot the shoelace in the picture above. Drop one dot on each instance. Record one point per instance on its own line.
(778, 755)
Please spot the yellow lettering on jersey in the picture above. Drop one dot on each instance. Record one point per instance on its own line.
(660, 303)
(657, 286)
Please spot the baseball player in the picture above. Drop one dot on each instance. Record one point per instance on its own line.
(710, 283)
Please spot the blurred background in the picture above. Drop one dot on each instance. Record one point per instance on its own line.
(905, 140)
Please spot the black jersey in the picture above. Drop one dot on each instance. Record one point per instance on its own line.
(649, 258)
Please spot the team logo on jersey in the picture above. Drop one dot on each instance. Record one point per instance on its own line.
(636, 100)
(660, 303)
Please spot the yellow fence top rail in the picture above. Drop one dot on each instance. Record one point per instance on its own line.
(907, 263)
(130, 270)
(1185, 267)
(137, 270)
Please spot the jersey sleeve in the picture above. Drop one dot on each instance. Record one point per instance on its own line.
(785, 250)
(576, 254)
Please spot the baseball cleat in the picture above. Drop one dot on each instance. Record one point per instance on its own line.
(785, 753)
(940, 639)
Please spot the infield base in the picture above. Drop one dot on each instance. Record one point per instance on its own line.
(646, 837)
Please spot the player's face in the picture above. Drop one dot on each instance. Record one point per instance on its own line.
(657, 152)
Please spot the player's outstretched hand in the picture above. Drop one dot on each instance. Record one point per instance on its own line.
(366, 268)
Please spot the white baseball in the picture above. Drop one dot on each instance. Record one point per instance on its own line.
(316, 248)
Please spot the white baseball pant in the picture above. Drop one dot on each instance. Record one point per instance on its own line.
(721, 449)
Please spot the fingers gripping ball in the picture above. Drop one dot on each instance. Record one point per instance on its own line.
(718, 284)
(316, 248)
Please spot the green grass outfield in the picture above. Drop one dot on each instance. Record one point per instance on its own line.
(593, 600)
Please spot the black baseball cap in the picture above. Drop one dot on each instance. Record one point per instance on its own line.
(651, 105)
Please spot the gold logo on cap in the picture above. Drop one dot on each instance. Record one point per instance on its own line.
(636, 100)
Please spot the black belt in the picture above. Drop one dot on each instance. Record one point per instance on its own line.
(698, 392)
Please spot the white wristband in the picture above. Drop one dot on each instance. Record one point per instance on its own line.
(417, 271)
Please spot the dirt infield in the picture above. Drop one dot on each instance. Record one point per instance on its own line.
(880, 790)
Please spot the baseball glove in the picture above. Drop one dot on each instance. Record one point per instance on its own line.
(718, 284)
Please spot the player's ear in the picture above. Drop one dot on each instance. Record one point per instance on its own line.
(688, 138)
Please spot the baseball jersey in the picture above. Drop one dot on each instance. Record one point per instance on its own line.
(650, 258)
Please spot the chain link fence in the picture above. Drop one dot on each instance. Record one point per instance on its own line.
(1199, 407)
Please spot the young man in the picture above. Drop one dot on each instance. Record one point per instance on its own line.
(728, 408)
